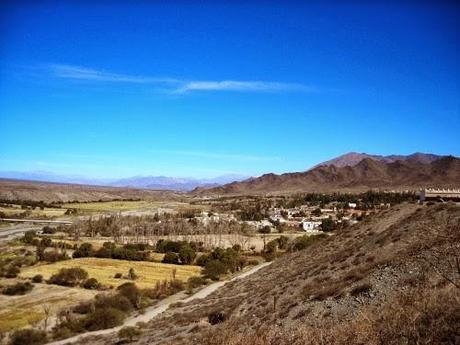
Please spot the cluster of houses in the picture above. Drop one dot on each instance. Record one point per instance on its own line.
(302, 218)
(310, 219)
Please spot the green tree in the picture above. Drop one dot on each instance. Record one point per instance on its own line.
(186, 254)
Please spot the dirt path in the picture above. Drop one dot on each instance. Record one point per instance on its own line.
(162, 306)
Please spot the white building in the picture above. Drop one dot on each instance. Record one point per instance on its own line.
(352, 205)
(310, 226)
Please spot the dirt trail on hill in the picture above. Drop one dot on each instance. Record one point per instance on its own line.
(161, 307)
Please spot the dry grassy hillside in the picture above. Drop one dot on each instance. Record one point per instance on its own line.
(392, 279)
(52, 192)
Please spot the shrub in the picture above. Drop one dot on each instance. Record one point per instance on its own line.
(103, 318)
(131, 292)
(69, 277)
(265, 230)
(118, 275)
(91, 284)
(29, 236)
(11, 272)
(117, 301)
(53, 256)
(28, 336)
(305, 241)
(272, 246)
(194, 282)
(84, 308)
(132, 274)
(216, 317)
(202, 260)
(38, 278)
(176, 285)
(48, 230)
(18, 289)
(328, 225)
(283, 242)
(46, 242)
(85, 250)
(214, 269)
(269, 256)
(129, 333)
(171, 258)
(360, 289)
(62, 332)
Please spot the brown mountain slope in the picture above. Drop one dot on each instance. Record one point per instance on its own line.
(368, 173)
(367, 284)
(353, 158)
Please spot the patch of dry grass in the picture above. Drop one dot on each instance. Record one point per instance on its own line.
(21, 311)
(104, 270)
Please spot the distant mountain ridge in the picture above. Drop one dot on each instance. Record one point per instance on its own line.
(141, 182)
(346, 174)
(173, 183)
(353, 158)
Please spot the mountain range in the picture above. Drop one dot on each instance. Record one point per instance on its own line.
(354, 172)
(351, 171)
(353, 158)
(182, 184)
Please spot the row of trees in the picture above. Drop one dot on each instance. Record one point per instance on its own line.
(112, 251)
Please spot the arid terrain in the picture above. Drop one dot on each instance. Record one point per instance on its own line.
(58, 192)
(97, 265)
(364, 285)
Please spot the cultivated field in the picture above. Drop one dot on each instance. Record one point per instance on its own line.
(104, 270)
(111, 206)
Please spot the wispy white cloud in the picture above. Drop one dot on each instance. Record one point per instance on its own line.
(173, 85)
(219, 155)
(83, 73)
(236, 85)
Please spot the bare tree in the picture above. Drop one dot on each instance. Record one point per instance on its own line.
(47, 312)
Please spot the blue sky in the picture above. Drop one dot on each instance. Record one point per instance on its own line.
(113, 90)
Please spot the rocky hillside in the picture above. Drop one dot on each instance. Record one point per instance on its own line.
(414, 172)
(391, 279)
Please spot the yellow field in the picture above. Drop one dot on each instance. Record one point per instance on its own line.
(123, 205)
(48, 212)
(104, 270)
(21, 311)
